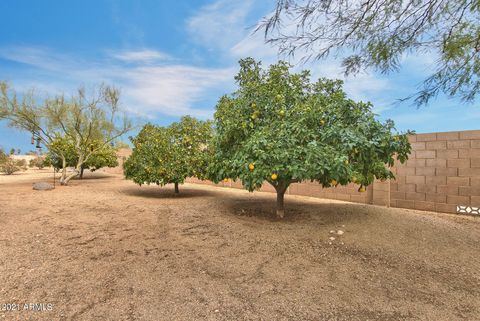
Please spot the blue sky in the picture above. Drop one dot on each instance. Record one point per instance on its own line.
(172, 58)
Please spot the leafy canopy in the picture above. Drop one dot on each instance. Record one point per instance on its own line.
(164, 155)
(102, 155)
(379, 33)
(281, 128)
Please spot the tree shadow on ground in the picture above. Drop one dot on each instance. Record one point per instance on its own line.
(90, 177)
(324, 213)
(165, 192)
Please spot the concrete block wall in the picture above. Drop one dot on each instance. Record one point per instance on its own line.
(344, 193)
(443, 171)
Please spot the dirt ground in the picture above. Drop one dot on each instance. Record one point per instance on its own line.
(106, 249)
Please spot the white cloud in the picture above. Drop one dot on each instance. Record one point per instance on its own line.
(253, 45)
(146, 89)
(174, 90)
(220, 24)
(142, 56)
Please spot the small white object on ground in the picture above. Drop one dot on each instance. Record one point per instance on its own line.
(340, 232)
(332, 232)
(331, 238)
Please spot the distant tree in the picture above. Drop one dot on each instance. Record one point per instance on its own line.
(163, 155)
(280, 128)
(9, 165)
(121, 144)
(38, 162)
(104, 156)
(378, 34)
(12, 151)
(84, 120)
(22, 163)
(3, 156)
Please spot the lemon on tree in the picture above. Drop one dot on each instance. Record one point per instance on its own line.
(165, 155)
(281, 151)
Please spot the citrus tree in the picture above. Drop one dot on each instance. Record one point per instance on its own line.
(104, 156)
(280, 128)
(62, 154)
(164, 155)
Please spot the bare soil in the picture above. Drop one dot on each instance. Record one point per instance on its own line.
(106, 249)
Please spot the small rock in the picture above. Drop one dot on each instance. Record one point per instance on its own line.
(340, 232)
(42, 186)
(332, 232)
(216, 311)
(331, 238)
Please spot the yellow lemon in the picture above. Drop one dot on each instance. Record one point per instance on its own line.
(225, 180)
(274, 177)
(251, 167)
(322, 122)
(282, 113)
(346, 162)
(333, 182)
(362, 189)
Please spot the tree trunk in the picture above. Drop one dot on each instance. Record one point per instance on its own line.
(281, 188)
(64, 171)
(81, 172)
(280, 204)
(77, 170)
(75, 173)
(176, 188)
